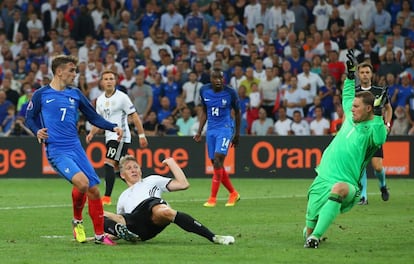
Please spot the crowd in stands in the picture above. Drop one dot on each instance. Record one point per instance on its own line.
(285, 58)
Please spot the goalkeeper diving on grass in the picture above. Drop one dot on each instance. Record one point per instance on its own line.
(336, 188)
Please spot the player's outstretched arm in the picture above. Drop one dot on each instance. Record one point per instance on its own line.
(180, 180)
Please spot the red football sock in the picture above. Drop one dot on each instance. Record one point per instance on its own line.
(96, 214)
(225, 179)
(215, 182)
(78, 202)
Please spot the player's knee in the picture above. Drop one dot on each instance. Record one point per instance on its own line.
(93, 193)
(341, 189)
(217, 162)
(163, 215)
(81, 182)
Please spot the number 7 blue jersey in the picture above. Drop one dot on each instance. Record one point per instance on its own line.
(219, 106)
(58, 112)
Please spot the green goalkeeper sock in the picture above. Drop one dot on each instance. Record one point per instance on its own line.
(327, 214)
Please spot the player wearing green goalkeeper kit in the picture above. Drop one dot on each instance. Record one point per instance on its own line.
(336, 189)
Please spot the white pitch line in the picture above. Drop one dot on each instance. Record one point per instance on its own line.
(53, 236)
(35, 206)
(170, 201)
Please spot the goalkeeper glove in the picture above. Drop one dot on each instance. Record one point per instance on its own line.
(379, 102)
(351, 64)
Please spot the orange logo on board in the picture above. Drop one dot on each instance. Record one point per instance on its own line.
(397, 164)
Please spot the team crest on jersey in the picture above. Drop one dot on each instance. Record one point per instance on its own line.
(223, 102)
(71, 101)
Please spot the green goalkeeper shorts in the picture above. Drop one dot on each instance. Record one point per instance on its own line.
(318, 195)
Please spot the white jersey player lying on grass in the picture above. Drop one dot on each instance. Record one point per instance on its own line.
(142, 213)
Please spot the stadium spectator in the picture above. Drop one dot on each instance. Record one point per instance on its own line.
(250, 79)
(347, 13)
(335, 19)
(406, 14)
(364, 15)
(284, 17)
(295, 59)
(17, 25)
(349, 44)
(11, 95)
(168, 126)
(156, 91)
(381, 19)
(262, 126)
(244, 104)
(322, 12)
(405, 89)
(389, 65)
(368, 54)
(4, 105)
(299, 126)
(281, 40)
(170, 18)
(191, 91)
(185, 122)
(141, 95)
(320, 125)
(151, 125)
(127, 23)
(269, 89)
(401, 124)
(310, 116)
(83, 25)
(282, 125)
(294, 98)
(165, 109)
(326, 93)
(301, 16)
(336, 68)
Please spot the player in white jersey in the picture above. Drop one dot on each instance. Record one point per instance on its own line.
(142, 213)
(115, 106)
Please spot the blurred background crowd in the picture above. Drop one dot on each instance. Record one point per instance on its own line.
(285, 58)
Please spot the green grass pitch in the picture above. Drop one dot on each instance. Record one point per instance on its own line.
(267, 223)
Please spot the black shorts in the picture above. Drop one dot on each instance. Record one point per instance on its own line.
(379, 153)
(139, 221)
(116, 150)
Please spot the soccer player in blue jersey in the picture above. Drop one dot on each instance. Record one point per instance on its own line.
(52, 116)
(218, 101)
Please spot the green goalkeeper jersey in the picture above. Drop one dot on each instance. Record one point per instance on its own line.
(354, 145)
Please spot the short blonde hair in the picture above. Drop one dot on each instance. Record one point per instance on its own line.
(125, 159)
